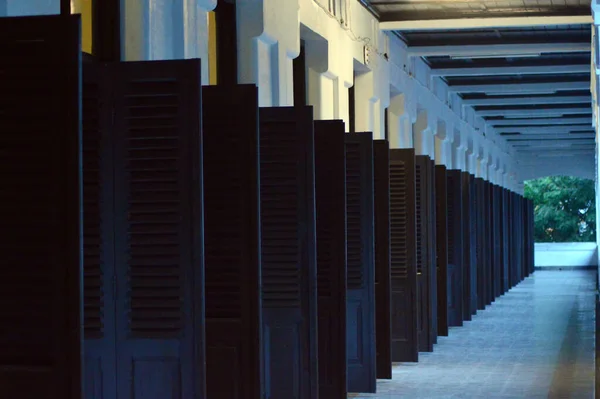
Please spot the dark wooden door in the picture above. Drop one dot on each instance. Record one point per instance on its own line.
(381, 171)
(432, 248)
(287, 191)
(98, 237)
(474, 216)
(232, 242)
(40, 250)
(480, 237)
(423, 254)
(466, 247)
(159, 254)
(505, 241)
(403, 256)
(330, 181)
(497, 240)
(487, 248)
(360, 320)
(441, 229)
(455, 248)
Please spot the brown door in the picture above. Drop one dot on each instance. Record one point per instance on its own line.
(40, 250)
(232, 242)
(330, 181)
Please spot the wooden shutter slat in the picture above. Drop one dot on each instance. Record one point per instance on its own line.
(158, 229)
(403, 256)
(232, 242)
(287, 192)
(40, 250)
(361, 351)
(330, 182)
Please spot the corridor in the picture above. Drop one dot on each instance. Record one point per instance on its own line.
(537, 341)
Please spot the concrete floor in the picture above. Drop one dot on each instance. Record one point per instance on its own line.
(536, 341)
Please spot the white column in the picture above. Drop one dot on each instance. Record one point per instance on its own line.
(420, 130)
(195, 32)
(461, 158)
(267, 47)
(401, 117)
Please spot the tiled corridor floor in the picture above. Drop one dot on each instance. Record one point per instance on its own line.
(536, 341)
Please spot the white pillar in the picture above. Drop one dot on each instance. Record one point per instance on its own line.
(401, 117)
(267, 47)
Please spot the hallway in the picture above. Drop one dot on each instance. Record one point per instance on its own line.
(522, 346)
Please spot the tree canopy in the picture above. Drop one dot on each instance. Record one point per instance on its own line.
(564, 208)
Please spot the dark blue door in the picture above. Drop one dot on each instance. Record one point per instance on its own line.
(159, 253)
(360, 320)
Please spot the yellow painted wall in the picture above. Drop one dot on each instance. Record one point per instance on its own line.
(212, 48)
(84, 7)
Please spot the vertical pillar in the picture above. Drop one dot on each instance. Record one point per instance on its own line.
(267, 47)
(425, 129)
(195, 32)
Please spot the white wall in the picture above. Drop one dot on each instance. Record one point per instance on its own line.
(570, 254)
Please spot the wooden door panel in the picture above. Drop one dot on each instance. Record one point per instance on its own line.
(474, 230)
(432, 251)
(158, 229)
(466, 247)
(289, 270)
(360, 336)
(423, 255)
(40, 246)
(442, 249)
(98, 239)
(330, 182)
(455, 248)
(381, 169)
(232, 242)
(404, 306)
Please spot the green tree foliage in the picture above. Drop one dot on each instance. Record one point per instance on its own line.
(565, 209)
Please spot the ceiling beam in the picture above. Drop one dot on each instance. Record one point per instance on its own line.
(511, 70)
(504, 87)
(484, 23)
(539, 121)
(534, 112)
(497, 50)
(474, 102)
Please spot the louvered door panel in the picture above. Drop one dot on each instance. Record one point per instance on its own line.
(381, 169)
(98, 244)
(505, 241)
(432, 249)
(480, 243)
(455, 247)
(441, 229)
(423, 255)
(232, 242)
(158, 230)
(287, 190)
(466, 246)
(40, 246)
(403, 256)
(474, 216)
(488, 249)
(330, 182)
(360, 331)
(496, 241)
